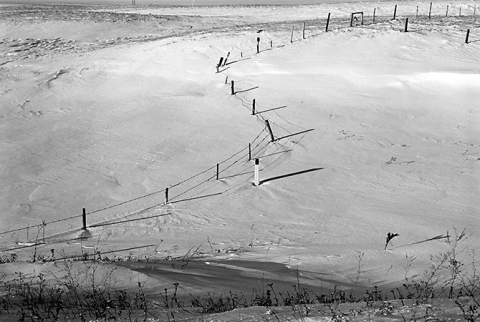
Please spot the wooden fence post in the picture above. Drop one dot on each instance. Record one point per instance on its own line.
(219, 64)
(446, 13)
(395, 13)
(226, 80)
(166, 195)
(258, 45)
(291, 37)
(430, 11)
(416, 13)
(328, 21)
(256, 180)
(460, 11)
(218, 170)
(270, 130)
(249, 151)
(84, 219)
(406, 25)
(226, 58)
(303, 31)
(233, 87)
(253, 107)
(468, 34)
(271, 44)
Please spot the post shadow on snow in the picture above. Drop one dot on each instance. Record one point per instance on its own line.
(222, 70)
(271, 109)
(246, 90)
(236, 61)
(289, 175)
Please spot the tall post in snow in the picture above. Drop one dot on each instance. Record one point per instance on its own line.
(395, 13)
(406, 25)
(166, 195)
(430, 11)
(468, 34)
(256, 180)
(328, 21)
(253, 107)
(233, 87)
(258, 45)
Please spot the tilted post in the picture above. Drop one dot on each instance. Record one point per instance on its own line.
(328, 21)
(468, 34)
(406, 25)
(270, 131)
(395, 13)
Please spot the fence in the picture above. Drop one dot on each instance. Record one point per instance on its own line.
(206, 183)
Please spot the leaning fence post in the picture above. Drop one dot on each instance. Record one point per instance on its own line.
(328, 21)
(225, 61)
(219, 64)
(430, 11)
(253, 107)
(406, 25)
(233, 88)
(395, 12)
(270, 130)
(468, 34)
(84, 219)
(256, 180)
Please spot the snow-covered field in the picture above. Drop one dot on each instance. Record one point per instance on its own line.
(104, 107)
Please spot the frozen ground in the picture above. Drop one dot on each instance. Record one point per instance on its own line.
(103, 105)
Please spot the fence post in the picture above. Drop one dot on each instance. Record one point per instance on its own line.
(468, 34)
(166, 195)
(233, 88)
(218, 169)
(416, 13)
(303, 31)
(406, 25)
(271, 44)
(84, 219)
(249, 151)
(253, 107)
(258, 45)
(430, 11)
(219, 64)
(256, 180)
(395, 13)
(270, 130)
(460, 12)
(291, 37)
(446, 13)
(225, 61)
(328, 21)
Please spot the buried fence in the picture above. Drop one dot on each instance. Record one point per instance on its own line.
(201, 185)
